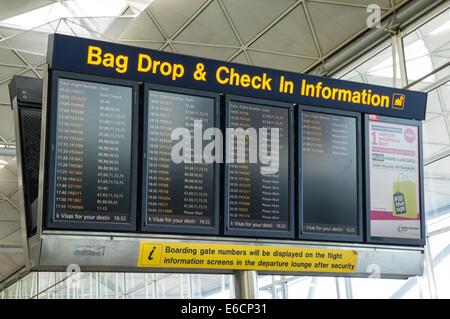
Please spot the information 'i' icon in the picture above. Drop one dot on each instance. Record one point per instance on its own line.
(151, 253)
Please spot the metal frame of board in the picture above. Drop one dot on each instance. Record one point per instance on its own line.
(30, 209)
(391, 240)
(48, 155)
(291, 218)
(26, 98)
(144, 182)
(330, 237)
(24, 204)
(104, 251)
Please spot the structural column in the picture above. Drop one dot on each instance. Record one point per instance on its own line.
(246, 284)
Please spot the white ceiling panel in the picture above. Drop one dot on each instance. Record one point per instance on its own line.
(288, 63)
(8, 212)
(33, 59)
(10, 224)
(218, 53)
(10, 233)
(143, 44)
(12, 166)
(335, 24)
(291, 35)
(142, 28)
(4, 98)
(29, 41)
(211, 27)
(6, 32)
(173, 14)
(6, 122)
(252, 16)
(8, 184)
(62, 27)
(9, 57)
(7, 72)
(10, 263)
(77, 28)
(15, 197)
(431, 116)
(240, 58)
(32, 74)
(12, 8)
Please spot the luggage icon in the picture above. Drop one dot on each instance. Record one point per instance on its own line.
(398, 101)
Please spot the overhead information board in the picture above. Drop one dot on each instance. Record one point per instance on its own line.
(395, 210)
(181, 194)
(163, 145)
(258, 198)
(330, 179)
(91, 176)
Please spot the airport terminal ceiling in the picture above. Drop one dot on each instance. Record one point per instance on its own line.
(306, 36)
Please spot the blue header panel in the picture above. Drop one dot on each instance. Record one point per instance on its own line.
(134, 63)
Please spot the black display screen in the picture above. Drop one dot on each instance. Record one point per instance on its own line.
(329, 170)
(258, 184)
(181, 190)
(93, 152)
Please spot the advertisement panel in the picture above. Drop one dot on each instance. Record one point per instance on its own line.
(394, 179)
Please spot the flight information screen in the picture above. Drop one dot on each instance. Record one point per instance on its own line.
(93, 152)
(329, 172)
(180, 188)
(258, 171)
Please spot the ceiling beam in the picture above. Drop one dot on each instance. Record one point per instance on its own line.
(160, 29)
(437, 157)
(345, 4)
(312, 30)
(15, 248)
(236, 34)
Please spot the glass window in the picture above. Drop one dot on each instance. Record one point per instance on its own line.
(428, 47)
(440, 260)
(377, 70)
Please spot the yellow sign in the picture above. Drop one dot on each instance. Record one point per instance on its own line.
(245, 257)
(229, 76)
